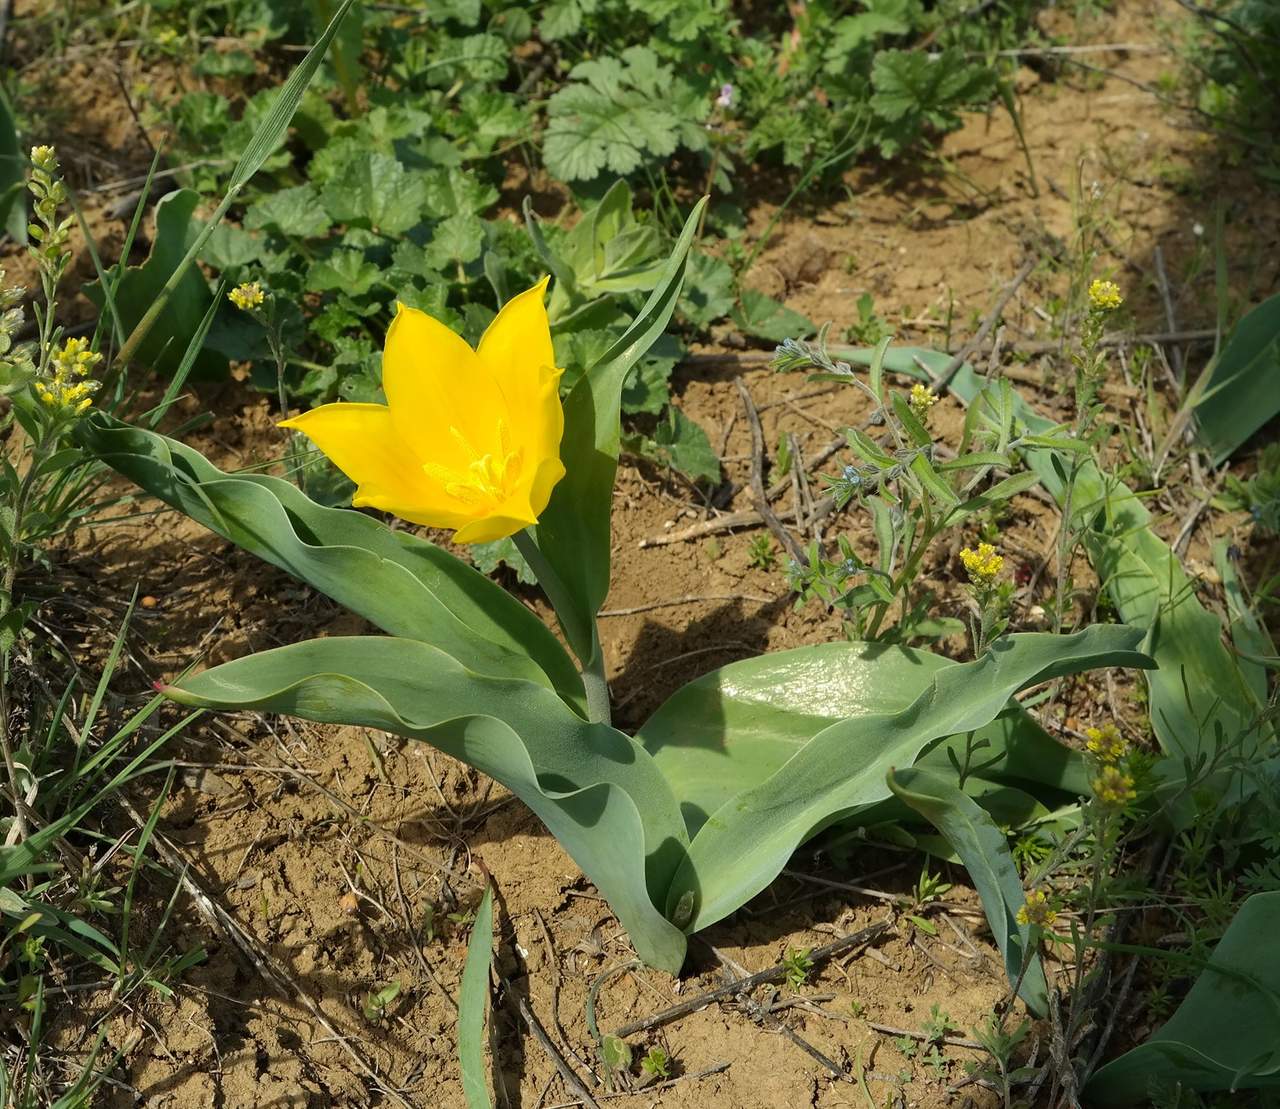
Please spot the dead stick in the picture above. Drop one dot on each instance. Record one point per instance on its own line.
(988, 322)
(253, 952)
(817, 956)
(748, 517)
(759, 357)
(571, 1080)
(690, 600)
(925, 1037)
(788, 541)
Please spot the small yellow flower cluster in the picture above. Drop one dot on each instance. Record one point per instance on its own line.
(921, 401)
(1037, 910)
(246, 296)
(70, 388)
(1105, 296)
(1107, 743)
(983, 565)
(1113, 787)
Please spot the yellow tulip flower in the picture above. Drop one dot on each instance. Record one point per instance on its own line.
(468, 439)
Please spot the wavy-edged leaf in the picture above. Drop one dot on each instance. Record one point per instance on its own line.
(398, 581)
(573, 533)
(731, 729)
(1202, 696)
(597, 790)
(1226, 1033)
(1240, 393)
(746, 842)
(984, 851)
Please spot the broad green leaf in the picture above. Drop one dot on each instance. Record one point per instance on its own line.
(295, 212)
(732, 729)
(1226, 1033)
(403, 584)
(473, 1001)
(984, 850)
(765, 318)
(574, 531)
(680, 443)
(746, 841)
(595, 789)
(1241, 392)
(1201, 696)
(377, 192)
(177, 231)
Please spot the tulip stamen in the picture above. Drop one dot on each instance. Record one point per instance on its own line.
(487, 479)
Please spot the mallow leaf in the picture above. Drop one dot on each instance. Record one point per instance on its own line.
(375, 191)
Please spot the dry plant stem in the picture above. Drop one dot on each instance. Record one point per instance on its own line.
(780, 533)
(924, 1037)
(988, 322)
(765, 1017)
(692, 599)
(817, 956)
(566, 1072)
(746, 518)
(254, 953)
(6, 605)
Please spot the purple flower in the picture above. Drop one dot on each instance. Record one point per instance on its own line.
(725, 99)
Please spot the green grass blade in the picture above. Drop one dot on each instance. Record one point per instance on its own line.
(264, 140)
(194, 347)
(473, 999)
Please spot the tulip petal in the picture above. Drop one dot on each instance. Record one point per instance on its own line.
(434, 383)
(490, 528)
(518, 342)
(362, 441)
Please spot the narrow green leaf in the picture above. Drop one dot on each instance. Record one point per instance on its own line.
(574, 531)
(473, 1001)
(984, 850)
(269, 133)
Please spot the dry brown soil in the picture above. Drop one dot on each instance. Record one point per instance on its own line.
(330, 846)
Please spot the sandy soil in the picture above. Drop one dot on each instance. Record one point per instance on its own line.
(341, 851)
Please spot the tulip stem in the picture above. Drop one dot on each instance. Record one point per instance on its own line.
(597, 689)
(593, 678)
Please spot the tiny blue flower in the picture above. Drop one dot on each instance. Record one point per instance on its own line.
(852, 476)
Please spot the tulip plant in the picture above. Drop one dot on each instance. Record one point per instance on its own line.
(683, 822)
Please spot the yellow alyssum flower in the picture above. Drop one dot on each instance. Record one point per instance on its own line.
(1037, 910)
(983, 565)
(1105, 295)
(468, 439)
(1107, 743)
(920, 401)
(69, 386)
(1113, 787)
(246, 296)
